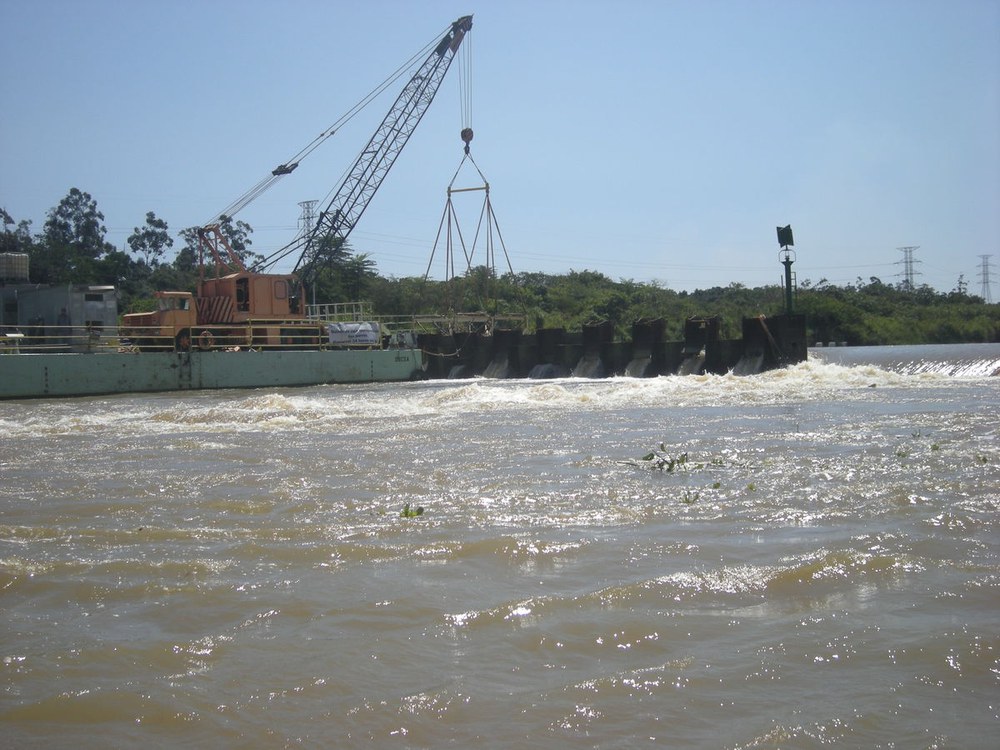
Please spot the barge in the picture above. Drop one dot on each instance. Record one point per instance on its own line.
(47, 375)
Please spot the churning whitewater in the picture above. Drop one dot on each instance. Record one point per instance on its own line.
(800, 558)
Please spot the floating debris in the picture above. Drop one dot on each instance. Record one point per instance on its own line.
(408, 512)
(660, 460)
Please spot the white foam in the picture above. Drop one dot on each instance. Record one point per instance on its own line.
(324, 408)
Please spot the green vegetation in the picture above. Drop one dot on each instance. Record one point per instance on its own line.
(408, 512)
(879, 313)
(661, 460)
(71, 249)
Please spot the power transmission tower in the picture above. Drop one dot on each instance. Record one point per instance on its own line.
(307, 219)
(908, 262)
(984, 274)
(307, 222)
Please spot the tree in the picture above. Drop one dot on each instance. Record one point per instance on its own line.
(150, 243)
(238, 234)
(192, 255)
(182, 273)
(71, 242)
(117, 269)
(358, 271)
(331, 275)
(18, 240)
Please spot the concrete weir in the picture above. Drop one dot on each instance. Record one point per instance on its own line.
(766, 344)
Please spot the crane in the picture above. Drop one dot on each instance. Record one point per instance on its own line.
(368, 172)
(249, 306)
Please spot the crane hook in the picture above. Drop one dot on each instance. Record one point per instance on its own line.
(467, 138)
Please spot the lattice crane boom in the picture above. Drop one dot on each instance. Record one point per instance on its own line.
(344, 210)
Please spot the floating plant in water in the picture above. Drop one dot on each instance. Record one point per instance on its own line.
(408, 512)
(661, 460)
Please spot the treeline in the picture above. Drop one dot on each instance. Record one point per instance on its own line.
(864, 313)
(71, 249)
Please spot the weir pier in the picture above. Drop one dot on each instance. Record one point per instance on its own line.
(767, 343)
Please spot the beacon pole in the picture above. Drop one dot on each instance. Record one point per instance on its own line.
(785, 241)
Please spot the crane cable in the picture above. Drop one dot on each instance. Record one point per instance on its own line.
(464, 59)
(288, 166)
(465, 93)
(465, 83)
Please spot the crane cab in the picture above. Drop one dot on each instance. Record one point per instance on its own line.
(243, 296)
(165, 327)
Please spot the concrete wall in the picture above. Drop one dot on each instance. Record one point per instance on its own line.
(774, 342)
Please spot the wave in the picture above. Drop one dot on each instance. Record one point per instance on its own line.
(837, 372)
(818, 574)
(800, 382)
(96, 706)
(950, 360)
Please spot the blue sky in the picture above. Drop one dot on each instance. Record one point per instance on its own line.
(649, 140)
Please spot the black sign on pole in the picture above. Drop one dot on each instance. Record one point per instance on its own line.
(785, 236)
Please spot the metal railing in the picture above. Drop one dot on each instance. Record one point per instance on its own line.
(309, 333)
(340, 312)
(252, 335)
(358, 312)
(270, 334)
(57, 339)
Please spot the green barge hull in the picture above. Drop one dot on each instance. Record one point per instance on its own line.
(51, 375)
